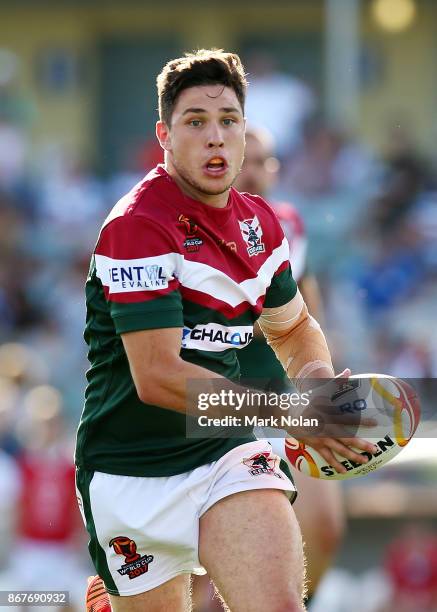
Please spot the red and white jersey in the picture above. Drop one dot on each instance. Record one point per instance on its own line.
(165, 260)
(294, 230)
(48, 510)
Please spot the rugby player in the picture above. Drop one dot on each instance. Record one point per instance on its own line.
(180, 258)
(321, 524)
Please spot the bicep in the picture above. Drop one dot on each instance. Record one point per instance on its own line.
(282, 317)
(151, 350)
(282, 289)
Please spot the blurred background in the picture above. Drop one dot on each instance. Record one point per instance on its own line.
(348, 88)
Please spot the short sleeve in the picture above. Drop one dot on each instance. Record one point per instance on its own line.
(138, 266)
(283, 287)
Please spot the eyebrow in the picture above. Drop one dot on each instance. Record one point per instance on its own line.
(226, 109)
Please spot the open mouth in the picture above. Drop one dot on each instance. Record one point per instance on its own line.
(216, 165)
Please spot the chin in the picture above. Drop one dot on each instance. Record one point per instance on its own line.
(215, 186)
(216, 189)
(203, 184)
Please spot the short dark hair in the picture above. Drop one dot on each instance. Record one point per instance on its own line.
(202, 67)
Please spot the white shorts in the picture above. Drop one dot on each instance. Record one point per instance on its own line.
(145, 531)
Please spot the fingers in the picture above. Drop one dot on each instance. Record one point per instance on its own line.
(361, 444)
(330, 458)
(349, 453)
(326, 447)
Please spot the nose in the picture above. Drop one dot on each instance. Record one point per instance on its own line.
(215, 136)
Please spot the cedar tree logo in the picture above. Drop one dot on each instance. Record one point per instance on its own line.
(192, 243)
(134, 564)
(252, 234)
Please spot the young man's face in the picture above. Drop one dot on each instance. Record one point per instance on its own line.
(205, 142)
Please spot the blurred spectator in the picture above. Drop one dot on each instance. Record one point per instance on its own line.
(9, 492)
(9, 397)
(374, 247)
(288, 100)
(336, 593)
(405, 181)
(422, 221)
(72, 195)
(411, 568)
(49, 536)
(16, 115)
(326, 163)
(137, 163)
(411, 359)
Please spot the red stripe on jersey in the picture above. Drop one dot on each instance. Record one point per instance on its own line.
(284, 265)
(157, 219)
(203, 299)
(139, 296)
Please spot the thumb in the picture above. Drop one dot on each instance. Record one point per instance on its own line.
(345, 374)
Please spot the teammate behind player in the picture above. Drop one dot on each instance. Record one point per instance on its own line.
(321, 523)
(174, 264)
(258, 175)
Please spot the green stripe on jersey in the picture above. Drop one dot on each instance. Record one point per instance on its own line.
(118, 433)
(196, 314)
(282, 290)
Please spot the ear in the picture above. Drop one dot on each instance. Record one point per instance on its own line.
(163, 135)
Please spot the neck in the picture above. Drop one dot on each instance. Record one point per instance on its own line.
(219, 200)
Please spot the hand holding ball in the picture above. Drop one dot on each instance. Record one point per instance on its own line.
(388, 401)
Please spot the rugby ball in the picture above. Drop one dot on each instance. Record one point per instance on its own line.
(389, 401)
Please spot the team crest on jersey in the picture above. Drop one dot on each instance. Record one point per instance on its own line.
(252, 234)
(262, 463)
(192, 242)
(134, 564)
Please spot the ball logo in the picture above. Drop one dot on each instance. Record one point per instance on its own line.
(300, 457)
(390, 403)
(134, 564)
(402, 409)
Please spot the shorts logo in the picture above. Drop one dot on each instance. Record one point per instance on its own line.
(134, 564)
(262, 463)
(252, 234)
(192, 243)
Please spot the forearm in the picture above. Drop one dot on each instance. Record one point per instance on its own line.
(297, 341)
(168, 385)
(162, 378)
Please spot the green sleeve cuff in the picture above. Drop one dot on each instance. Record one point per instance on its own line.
(148, 320)
(282, 290)
(164, 311)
